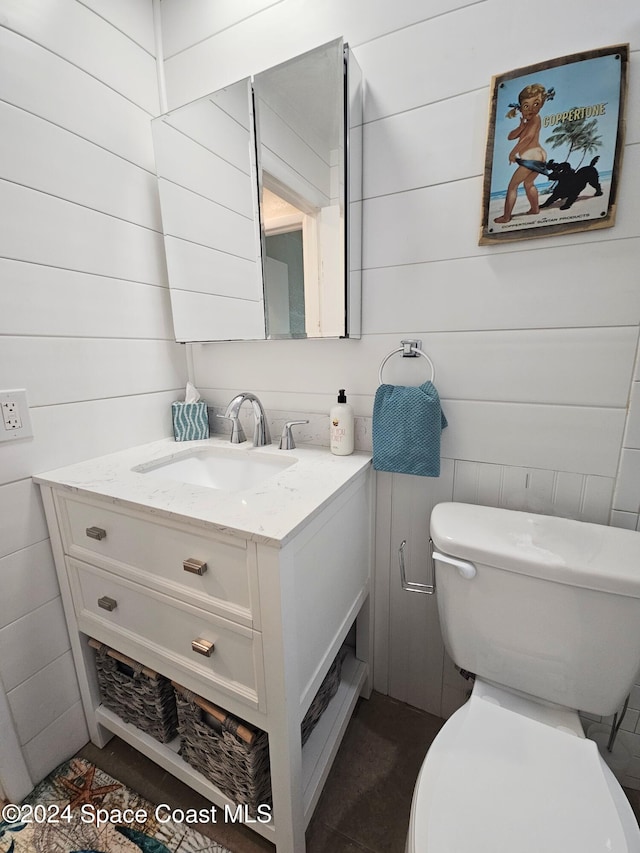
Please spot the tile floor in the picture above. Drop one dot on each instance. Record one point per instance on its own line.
(365, 805)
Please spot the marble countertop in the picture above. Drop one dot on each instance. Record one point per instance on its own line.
(270, 513)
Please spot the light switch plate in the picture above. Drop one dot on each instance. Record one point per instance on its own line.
(15, 422)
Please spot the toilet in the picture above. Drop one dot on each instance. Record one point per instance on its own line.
(545, 612)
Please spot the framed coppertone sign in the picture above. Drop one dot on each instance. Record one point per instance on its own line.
(554, 146)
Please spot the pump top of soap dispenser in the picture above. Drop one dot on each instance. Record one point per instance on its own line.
(342, 397)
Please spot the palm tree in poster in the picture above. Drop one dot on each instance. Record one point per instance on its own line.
(580, 135)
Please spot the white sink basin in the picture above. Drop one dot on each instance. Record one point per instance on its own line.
(231, 470)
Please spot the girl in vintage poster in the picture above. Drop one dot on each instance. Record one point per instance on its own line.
(527, 147)
(554, 146)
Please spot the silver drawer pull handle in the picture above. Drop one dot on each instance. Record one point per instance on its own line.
(96, 533)
(196, 567)
(203, 647)
(107, 603)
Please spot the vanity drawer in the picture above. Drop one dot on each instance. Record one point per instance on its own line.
(213, 572)
(150, 626)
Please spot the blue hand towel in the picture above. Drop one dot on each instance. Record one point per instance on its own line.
(407, 422)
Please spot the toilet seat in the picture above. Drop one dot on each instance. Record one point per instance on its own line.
(500, 781)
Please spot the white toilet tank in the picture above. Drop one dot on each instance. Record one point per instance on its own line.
(553, 609)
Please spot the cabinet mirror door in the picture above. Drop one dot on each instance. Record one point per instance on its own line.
(260, 189)
(300, 116)
(205, 160)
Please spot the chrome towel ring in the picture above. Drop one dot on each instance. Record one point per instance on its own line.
(409, 349)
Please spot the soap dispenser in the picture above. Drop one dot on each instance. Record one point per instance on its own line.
(341, 425)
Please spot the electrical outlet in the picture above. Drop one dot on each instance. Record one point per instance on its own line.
(15, 422)
(11, 415)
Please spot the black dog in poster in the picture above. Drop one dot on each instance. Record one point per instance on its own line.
(569, 182)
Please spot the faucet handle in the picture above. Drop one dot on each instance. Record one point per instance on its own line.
(237, 432)
(286, 439)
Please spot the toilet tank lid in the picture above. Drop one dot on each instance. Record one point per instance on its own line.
(563, 550)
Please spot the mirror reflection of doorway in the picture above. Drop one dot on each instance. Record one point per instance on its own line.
(291, 281)
(284, 289)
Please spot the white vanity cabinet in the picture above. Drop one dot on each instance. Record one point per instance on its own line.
(148, 581)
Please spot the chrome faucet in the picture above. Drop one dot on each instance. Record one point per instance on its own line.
(261, 434)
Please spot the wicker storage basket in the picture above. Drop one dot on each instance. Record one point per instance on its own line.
(325, 694)
(232, 755)
(136, 694)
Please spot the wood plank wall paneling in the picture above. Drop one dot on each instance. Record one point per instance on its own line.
(534, 342)
(520, 366)
(55, 369)
(59, 684)
(102, 307)
(395, 233)
(626, 500)
(83, 233)
(133, 19)
(485, 293)
(133, 76)
(29, 581)
(85, 318)
(42, 229)
(210, 49)
(49, 159)
(45, 84)
(185, 24)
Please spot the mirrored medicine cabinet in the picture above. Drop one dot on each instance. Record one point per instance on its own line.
(260, 191)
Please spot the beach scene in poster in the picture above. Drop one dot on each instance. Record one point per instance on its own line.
(554, 145)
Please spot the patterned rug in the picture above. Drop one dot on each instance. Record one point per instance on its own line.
(80, 809)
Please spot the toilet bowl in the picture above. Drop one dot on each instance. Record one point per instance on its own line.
(507, 774)
(545, 612)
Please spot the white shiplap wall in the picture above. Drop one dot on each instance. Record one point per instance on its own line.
(85, 323)
(534, 342)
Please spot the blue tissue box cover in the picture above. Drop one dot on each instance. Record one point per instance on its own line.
(190, 421)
